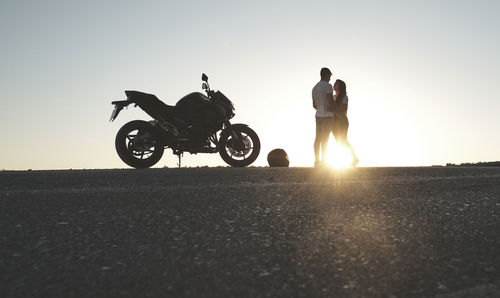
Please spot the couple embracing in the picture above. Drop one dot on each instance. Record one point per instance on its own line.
(331, 116)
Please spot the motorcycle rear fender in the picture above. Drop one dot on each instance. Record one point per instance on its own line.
(119, 105)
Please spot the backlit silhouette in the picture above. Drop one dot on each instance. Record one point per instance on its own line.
(340, 121)
(322, 101)
(192, 125)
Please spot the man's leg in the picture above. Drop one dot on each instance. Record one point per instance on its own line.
(330, 128)
(326, 129)
(324, 149)
(317, 141)
(316, 150)
(321, 141)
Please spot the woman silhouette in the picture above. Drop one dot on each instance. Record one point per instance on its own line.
(340, 121)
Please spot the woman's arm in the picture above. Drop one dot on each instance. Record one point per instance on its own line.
(334, 106)
(341, 108)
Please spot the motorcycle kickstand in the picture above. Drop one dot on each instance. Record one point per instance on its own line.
(179, 156)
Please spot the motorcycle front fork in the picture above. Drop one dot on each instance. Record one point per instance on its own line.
(233, 132)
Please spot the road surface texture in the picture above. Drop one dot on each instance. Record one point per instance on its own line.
(251, 232)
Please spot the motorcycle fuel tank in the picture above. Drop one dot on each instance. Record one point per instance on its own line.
(196, 108)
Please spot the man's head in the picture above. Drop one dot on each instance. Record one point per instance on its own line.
(326, 74)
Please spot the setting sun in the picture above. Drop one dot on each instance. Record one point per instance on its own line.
(338, 155)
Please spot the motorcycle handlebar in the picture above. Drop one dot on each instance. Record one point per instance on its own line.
(210, 93)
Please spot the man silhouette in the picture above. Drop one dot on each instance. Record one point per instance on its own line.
(322, 100)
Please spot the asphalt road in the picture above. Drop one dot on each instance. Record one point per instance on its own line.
(251, 232)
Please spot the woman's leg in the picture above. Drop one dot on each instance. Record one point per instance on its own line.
(342, 126)
(340, 130)
(355, 159)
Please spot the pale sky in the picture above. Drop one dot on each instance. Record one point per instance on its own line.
(422, 76)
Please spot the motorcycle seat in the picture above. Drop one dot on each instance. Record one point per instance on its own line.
(150, 104)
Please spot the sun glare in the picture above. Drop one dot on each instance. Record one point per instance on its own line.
(338, 156)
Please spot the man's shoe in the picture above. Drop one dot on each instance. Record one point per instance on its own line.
(317, 164)
(354, 162)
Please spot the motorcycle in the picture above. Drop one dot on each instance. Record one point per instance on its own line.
(198, 123)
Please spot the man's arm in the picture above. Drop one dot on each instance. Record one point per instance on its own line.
(314, 105)
(333, 106)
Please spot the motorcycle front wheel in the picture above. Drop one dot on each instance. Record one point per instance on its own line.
(241, 151)
(137, 145)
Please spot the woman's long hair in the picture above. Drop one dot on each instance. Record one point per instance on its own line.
(342, 91)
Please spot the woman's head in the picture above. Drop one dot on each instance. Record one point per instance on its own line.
(339, 86)
(340, 90)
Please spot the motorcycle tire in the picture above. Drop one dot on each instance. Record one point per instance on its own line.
(226, 141)
(133, 157)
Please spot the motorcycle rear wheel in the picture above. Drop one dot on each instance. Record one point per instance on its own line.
(239, 153)
(137, 145)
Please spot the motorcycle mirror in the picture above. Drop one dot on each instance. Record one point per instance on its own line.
(204, 77)
(204, 86)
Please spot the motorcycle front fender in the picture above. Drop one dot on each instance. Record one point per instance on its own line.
(233, 129)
